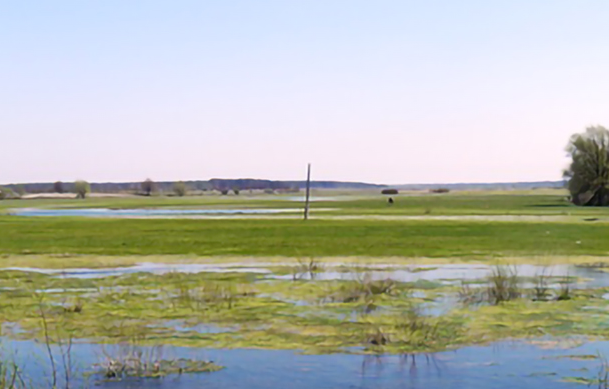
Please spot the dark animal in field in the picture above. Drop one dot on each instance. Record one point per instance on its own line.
(390, 201)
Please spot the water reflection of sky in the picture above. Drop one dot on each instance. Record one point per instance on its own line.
(503, 366)
(105, 212)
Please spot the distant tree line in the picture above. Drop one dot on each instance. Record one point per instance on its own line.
(148, 187)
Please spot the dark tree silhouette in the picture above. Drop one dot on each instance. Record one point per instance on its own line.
(147, 187)
(58, 187)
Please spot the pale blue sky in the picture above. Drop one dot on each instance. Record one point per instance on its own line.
(381, 91)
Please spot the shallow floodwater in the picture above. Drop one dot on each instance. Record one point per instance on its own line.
(323, 198)
(105, 212)
(154, 268)
(503, 365)
(586, 277)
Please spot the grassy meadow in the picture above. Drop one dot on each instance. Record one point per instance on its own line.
(296, 238)
(576, 231)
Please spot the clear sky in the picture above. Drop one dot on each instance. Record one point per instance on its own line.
(380, 91)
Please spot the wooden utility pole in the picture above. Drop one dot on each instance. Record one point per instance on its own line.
(306, 210)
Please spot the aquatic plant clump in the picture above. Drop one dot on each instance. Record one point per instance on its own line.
(412, 331)
(363, 288)
(117, 369)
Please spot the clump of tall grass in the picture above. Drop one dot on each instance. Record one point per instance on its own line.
(74, 307)
(10, 376)
(59, 375)
(304, 268)
(371, 287)
(469, 295)
(413, 321)
(503, 285)
(363, 288)
(565, 292)
(377, 337)
(541, 290)
(210, 294)
(415, 331)
(602, 376)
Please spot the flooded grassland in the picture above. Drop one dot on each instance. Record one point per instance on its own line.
(459, 291)
(305, 306)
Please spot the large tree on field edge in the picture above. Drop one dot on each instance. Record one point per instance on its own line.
(588, 173)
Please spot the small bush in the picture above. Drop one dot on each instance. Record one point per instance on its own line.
(390, 191)
(439, 190)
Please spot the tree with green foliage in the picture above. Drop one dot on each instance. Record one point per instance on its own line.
(82, 188)
(236, 190)
(179, 188)
(588, 173)
(147, 186)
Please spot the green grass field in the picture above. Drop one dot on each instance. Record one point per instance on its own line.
(279, 237)
(298, 238)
